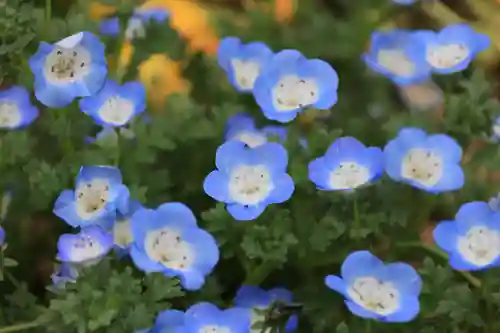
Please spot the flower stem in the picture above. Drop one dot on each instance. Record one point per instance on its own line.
(437, 252)
(20, 327)
(368, 326)
(356, 213)
(48, 12)
(259, 274)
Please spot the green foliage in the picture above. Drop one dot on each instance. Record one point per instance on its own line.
(295, 244)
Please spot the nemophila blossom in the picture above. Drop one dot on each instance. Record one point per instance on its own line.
(374, 290)
(242, 127)
(115, 105)
(87, 247)
(472, 240)
(427, 162)
(347, 165)
(242, 63)
(249, 179)
(168, 240)
(290, 82)
(453, 48)
(65, 273)
(494, 203)
(16, 110)
(495, 130)
(99, 194)
(122, 231)
(166, 322)
(73, 67)
(395, 54)
(206, 317)
(256, 299)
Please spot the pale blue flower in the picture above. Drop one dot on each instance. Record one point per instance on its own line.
(87, 247)
(472, 240)
(73, 67)
(16, 110)
(374, 290)
(290, 82)
(427, 162)
(242, 127)
(249, 179)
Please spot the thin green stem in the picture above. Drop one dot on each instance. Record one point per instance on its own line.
(356, 213)
(259, 274)
(20, 327)
(48, 10)
(437, 252)
(368, 326)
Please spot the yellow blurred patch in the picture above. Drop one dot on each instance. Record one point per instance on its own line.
(98, 11)
(162, 77)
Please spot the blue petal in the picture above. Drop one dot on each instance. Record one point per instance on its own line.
(178, 212)
(446, 146)
(472, 214)
(192, 280)
(112, 174)
(169, 319)
(140, 223)
(143, 262)
(246, 213)
(327, 80)
(110, 27)
(200, 315)
(409, 309)
(404, 278)
(64, 246)
(216, 186)
(238, 320)
(205, 246)
(336, 283)
(360, 311)
(292, 324)
(250, 297)
(229, 155)
(343, 149)
(319, 173)
(358, 264)
(445, 235)
(278, 131)
(453, 179)
(283, 189)
(280, 294)
(228, 47)
(458, 263)
(273, 155)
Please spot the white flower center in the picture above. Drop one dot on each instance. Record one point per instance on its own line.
(349, 175)
(91, 198)
(447, 56)
(85, 249)
(396, 62)
(377, 296)
(292, 92)
(167, 247)
(496, 129)
(67, 65)
(245, 72)
(10, 115)
(249, 185)
(122, 234)
(135, 29)
(116, 111)
(214, 329)
(422, 166)
(480, 246)
(251, 139)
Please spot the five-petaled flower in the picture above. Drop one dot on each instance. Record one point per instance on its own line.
(374, 290)
(87, 247)
(249, 179)
(453, 48)
(98, 196)
(258, 300)
(166, 322)
(242, 127)
(73, 67)
(347, 165)
(290, 82)
(207, 318)
(168, 240)
(398, 55)
(115, 105)
(472, 240)
(428, 162)
(242, 63)
(16, 110)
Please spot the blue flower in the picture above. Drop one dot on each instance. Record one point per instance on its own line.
(453, 48)
(255, 298)
(110, 27)
(495, 129)
(87, 247)
(206, 317)
(397, 55)
(115, 105)
(347, 165)
(242, 127)
(166, 322)
(249, 179)
(122, 230)
(2, 236)
(16, 110)
(65, 273)
(427, 162)
(374, 290)
(73, 67)
(168, 240)
(472, 240)
(290, 82)
(494, 203)
(99, 194)
(242, 63)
